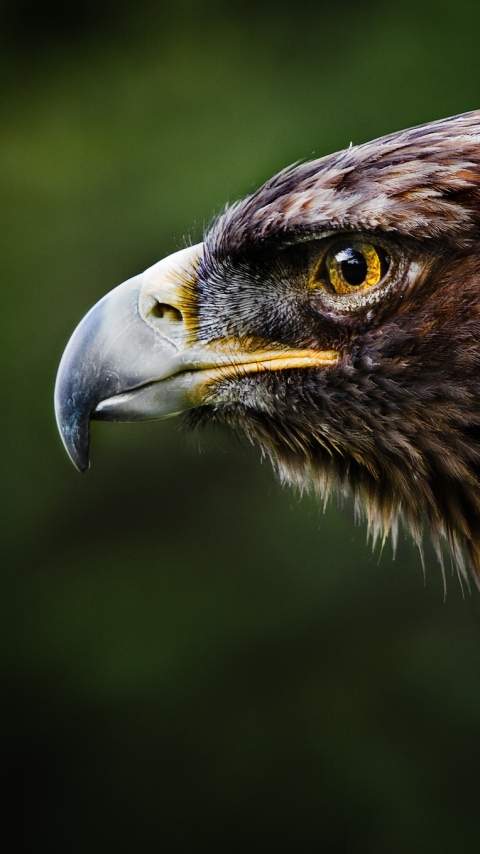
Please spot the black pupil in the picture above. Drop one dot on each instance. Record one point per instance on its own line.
(353, 265)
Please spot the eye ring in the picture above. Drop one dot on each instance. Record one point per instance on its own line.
(351, 266)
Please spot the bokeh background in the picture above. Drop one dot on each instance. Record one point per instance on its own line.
(192, 657)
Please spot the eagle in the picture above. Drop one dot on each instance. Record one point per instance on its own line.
(334, 317)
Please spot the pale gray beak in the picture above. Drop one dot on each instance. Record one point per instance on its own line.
(135, 336)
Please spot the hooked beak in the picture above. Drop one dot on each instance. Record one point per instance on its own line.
(136, 355)
(134, 336)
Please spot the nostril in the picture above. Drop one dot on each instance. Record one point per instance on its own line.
(166, 312)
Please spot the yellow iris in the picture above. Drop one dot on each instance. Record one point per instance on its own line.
(352, 266)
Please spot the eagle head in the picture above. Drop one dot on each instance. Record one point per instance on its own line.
(334, 316)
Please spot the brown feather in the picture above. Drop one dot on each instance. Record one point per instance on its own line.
(397, 421)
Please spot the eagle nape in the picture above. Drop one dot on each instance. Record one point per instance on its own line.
(333, 315)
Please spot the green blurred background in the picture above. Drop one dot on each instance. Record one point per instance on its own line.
(194, 658)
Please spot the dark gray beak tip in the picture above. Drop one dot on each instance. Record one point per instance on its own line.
(78, 387)
(78, 452)
(74, 426)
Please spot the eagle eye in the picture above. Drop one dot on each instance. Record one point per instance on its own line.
(351, 266)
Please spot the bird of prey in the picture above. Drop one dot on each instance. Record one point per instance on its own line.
(333, 315)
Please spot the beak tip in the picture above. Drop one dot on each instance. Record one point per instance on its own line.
(77, 449)
(74, 428)
(80, 459)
